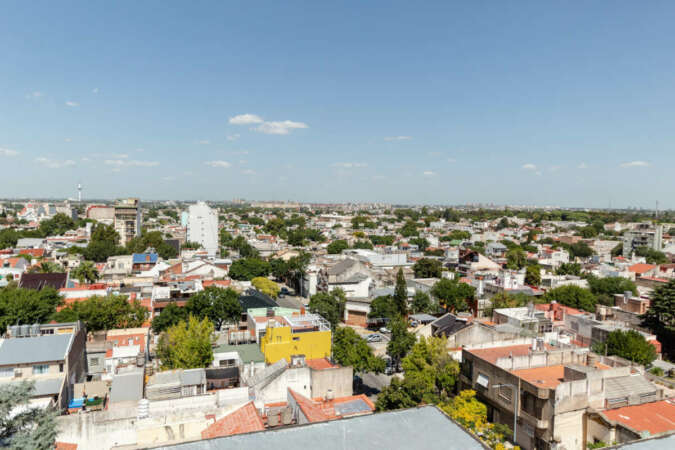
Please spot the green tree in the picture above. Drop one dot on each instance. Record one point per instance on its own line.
(57, 225)
(533, 275)
(629, 345)
(27, 306)
(516, 259)
(605, 288)
(401, 293)
(86, 272)
(103, 243)
(652, 256)
(329, 305)
(420, 242)
(186, 345)
(504, 299)
(580, 250)
(401, 340)
(409, 229)
(422, 303)
(105, 313)
(266, 286)
(617, 250)
(572, 296)
(350, 349)
(336, 247)
(427, 268)
(430, 376)
(382, 240)
(170, 316)
(459, 235)
(23, 426)
(47, 267)
(383, 307)
(219, 305)
(569, 269)
(660, 317)
(452, 294)
(588, 232)
(367, 245)
(246, 269)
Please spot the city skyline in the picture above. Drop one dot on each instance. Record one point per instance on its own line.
(408, 104)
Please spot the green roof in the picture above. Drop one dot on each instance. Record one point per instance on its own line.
(247, 352)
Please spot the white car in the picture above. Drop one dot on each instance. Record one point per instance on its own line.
(374, 338)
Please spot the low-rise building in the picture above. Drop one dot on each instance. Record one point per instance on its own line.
(308, 335)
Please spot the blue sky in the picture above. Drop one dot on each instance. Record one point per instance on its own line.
(548, 103)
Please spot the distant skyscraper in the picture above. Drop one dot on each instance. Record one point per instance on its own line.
(202, 227)
(79, 193)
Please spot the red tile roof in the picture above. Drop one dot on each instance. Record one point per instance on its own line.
(311, 410)
(641, 268)
(35, 252)
(320, 364)
(656, 417)
(217, 283)
(243, 420)
(64, 446)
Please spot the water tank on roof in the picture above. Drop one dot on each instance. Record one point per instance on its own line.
(14, 330)
(35, 330)
(25, 330)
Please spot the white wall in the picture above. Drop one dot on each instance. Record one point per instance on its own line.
(202, 227)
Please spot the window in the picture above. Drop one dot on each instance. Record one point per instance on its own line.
(130, 342)
(61, 367)
(482, 380)
(6, 372)
(296, 338)
(94, 362)
(40, 368)
(506, 393)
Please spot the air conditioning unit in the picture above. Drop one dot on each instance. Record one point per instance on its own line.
(17, 374)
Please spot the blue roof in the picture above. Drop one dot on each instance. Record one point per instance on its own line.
(140, 258)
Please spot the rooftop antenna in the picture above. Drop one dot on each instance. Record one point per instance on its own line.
(79, 192)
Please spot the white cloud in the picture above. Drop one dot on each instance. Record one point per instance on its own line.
(555, 168)
(583, 165)
(130, 163)
(8, 152)
(204, 142)
(67, 140)
(85, 159)
(635, 164)
(398, 138)
(72, 104)
(283, 127)
(350, 165)
(245, 119)
(248, 172)
(232, 137)
(94, 91)
(529, 166)
(34, 95)
(140, 150)
(452, 160)
(54, 164)
(223, 164)
(271, 127)
(120, 155)
(429, 173)
(538, 173)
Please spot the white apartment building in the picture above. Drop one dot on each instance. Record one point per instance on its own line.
(202, 227)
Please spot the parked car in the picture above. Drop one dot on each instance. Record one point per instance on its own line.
(385, 330)
(414, 323)
(374, 338)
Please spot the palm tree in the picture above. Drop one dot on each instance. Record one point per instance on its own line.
(86, 272)
(46, 267)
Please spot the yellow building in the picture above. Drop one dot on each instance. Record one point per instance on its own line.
(307, 335)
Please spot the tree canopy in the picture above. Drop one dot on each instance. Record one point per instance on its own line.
(453, 294)
(266, 286)
(660, 317)
(427, 268)
(219, 305)
(329, 305)
(629, 345)
(23, 426)
(86, 272)
(20, 306)
(572, 296)
(605, 288)
(170, 315)
(401, 294)
(246, 269)
(336, 247)
(105, 313)
(186, 345)
(349, 349)
(401, 340)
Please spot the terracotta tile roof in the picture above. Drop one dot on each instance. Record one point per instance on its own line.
(64, 446)
(243, 420)
(544, 377)
(311, 410)
(656, 417)
(641, 268)
(320, 364)
(36, 252)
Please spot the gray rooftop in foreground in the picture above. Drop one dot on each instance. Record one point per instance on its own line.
(425, 427)
(658, 443)
(26, 350)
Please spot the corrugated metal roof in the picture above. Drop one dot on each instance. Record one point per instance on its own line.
(395, 430)
(620, 387)
(127, 386)
(36, 349)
